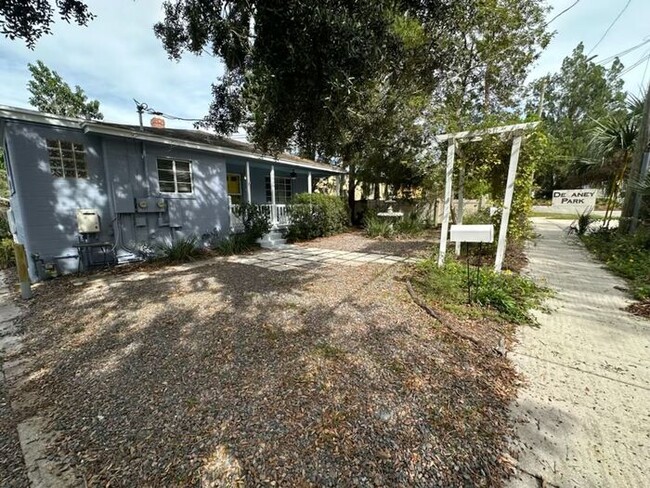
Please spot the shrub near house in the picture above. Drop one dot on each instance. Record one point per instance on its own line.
(316, 215)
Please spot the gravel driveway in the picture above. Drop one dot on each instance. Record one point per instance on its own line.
(224, 374)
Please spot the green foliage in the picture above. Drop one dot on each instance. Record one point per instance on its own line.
(627, 255)
(585, 219)
(489, 50)
(181, 250)
(316, 215)
(52, 95)
(6, 253)
(4, 182)
(30, 19)
(5, 233)
(321, 72)
(510, 296)
(409, 225)
(234, 244)
(576, 99)
(377, 227)
(256, 222)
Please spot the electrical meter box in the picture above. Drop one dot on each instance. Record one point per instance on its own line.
(88, 220)
(146, 205)
(472, 233)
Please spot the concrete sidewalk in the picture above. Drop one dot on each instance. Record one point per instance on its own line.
(584, 413)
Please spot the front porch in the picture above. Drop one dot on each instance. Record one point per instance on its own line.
(250, 182)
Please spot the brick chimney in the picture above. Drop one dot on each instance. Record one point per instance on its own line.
(157, 122)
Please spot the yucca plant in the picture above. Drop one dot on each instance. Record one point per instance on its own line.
(585, 219)
(181, 250)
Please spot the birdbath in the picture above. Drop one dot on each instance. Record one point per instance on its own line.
(390, 214)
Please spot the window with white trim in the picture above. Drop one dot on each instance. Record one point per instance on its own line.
(175, 176)
(283, 188)
(67, 159)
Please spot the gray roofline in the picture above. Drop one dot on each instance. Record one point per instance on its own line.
(99, 128)
(25, 115)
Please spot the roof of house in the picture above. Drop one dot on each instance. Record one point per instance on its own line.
(192, 139)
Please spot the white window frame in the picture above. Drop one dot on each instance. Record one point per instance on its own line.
(80, 165)
(174, 171)
(279, 180)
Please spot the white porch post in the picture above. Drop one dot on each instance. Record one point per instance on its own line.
(273, 216)
(451, 151)
(507, 203)
(309, 182)
(249, 197)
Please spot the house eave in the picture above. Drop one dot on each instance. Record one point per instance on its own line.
(31, 116)
(89, 127)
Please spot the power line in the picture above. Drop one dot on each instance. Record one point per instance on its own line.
(143, 107)
(610, 26)
(563, 12)
(623, 53)
(645, 71)
(639, 62)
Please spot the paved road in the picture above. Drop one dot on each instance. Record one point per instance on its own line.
(585, 410)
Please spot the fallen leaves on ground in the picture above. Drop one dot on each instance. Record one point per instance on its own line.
(233, 375)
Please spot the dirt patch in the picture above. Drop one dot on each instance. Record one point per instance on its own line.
(228, 373)
(642, 308)
(423, 245)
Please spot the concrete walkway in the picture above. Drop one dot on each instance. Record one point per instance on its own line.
(290, 257)
(584, 412)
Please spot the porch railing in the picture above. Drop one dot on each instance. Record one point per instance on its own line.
(279, 218)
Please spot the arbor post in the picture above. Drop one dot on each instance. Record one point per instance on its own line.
(451, 151)
(507, 203)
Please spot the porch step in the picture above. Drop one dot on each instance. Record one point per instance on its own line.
(272, 240)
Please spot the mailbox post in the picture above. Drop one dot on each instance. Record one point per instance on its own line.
(472, 233)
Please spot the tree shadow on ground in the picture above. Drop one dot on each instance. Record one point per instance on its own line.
(226, 373)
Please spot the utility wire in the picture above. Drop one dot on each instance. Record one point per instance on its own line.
(610, 26)
(563, 12)
(146, 109)
(623, 53)
(637, 63)
(645, 71)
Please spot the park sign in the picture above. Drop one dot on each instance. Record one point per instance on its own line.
(581, 198)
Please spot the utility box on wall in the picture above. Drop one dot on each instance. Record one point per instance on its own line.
(87, 220)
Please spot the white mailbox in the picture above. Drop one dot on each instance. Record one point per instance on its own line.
(472, 233)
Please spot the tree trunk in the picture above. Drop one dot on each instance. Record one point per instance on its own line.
(352, 184)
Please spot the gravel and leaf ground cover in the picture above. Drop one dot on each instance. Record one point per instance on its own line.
(222, 374)
(355, 240)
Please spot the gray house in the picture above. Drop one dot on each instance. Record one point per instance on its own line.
(86, 192)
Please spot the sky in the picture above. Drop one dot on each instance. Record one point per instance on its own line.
(117, 57)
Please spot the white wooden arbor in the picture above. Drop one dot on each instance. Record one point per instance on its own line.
(516, 131)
